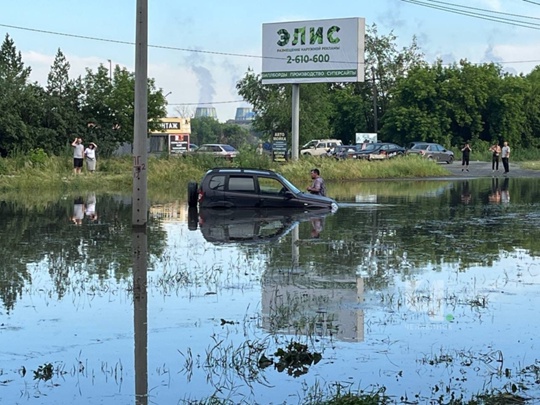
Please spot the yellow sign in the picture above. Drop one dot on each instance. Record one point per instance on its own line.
(173, 125)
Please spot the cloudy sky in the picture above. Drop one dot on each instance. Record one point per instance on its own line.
(200, 49)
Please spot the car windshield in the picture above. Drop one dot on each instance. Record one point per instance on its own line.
(370, 146)
(289, 185)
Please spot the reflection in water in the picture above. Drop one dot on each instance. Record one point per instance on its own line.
(495, 194)
(251, 225)
(78, 211)
(140, 313)
(318, 224)
(399, 259)
(465, 192)
(90, 209)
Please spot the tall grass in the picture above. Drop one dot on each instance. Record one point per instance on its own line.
(37, 171)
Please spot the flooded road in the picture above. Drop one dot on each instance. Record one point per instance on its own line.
(427, 289)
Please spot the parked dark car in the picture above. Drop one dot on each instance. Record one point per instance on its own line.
(252, 188)
(344, 151)
(248, 225)
(379, 151)
(432, 151)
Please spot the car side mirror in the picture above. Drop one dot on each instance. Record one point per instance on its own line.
(289, 194)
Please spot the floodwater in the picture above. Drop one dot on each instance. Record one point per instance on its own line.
(426, 289)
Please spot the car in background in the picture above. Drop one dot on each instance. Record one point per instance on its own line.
(252, 188)
(319, 147)
(431, 151)
(215, 149)
(342, 152)
(379, 151)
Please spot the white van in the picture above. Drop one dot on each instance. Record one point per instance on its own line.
(319, 147)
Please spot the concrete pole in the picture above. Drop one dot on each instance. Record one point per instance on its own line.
(139, 205)
(295, 120)
(140, 158)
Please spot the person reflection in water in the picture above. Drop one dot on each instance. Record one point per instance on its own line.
(317, 225)
(90, 212)
(465, 193)
(78, 211)
(505, 193)
(495, 195)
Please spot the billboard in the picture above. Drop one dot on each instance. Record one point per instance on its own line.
(315, 51)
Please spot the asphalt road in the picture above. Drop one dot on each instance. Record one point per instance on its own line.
(483, 169)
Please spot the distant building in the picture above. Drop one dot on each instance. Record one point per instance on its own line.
(244, 117)
(201, 112)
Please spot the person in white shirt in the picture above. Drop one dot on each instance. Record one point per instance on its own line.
(90, 155)
(505, 156)
(78, 155)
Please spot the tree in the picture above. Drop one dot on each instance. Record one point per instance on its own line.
(109, 107)
(13, 83)
(205, 130)
(273, 111)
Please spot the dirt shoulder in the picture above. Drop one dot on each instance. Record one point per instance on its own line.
(483, 169)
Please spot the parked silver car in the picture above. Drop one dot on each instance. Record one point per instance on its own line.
(432, 151)
(217, 150)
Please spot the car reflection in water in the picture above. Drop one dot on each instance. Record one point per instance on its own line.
(250, 225)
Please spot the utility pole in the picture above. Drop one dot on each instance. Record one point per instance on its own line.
(110, 70)
(374, 99)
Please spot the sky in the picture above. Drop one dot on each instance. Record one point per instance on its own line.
(200, 49)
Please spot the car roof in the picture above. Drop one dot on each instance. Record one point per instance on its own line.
(240, 170)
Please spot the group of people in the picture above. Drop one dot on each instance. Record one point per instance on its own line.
(80, 154)
(498, 154)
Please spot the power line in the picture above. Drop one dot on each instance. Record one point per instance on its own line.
(502, 20)
(532, 2)
(483, 9)
(116, 41)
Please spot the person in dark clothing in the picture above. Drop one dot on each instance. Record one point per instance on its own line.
(466, 154)
(496, 154)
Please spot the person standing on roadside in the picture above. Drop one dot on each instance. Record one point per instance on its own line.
(505, 157)
(78, 155)
(318, 186)
(466, 154)
(90, 155)
(496, 153)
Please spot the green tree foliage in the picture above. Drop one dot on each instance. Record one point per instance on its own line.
(205, 130)
(13, 84)
(460, 103)
(95, 107)
(272, 106)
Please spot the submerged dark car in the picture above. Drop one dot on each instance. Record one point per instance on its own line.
(252, 188)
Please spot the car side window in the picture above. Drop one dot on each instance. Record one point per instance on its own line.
(270, 186)
(217, 183)
(242, 184)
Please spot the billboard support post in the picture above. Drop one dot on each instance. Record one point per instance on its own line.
(295, 121)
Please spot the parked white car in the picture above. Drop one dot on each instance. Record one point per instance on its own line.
(319, 147)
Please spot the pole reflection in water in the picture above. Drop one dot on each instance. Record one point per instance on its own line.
(140, 314)
(295, 248)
